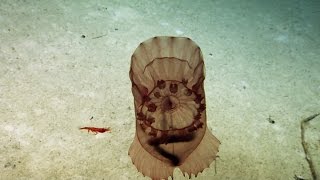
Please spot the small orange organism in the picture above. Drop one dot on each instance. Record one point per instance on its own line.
(96, 130)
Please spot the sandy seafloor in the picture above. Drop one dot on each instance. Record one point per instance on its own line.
(262, 59)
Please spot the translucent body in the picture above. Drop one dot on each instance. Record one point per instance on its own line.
(167, 75)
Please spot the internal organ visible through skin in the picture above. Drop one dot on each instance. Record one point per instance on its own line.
(171, 111)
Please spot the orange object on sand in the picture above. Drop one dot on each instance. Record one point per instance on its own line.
(96, 130)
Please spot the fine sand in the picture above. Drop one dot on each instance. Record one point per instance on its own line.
(65, 65)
